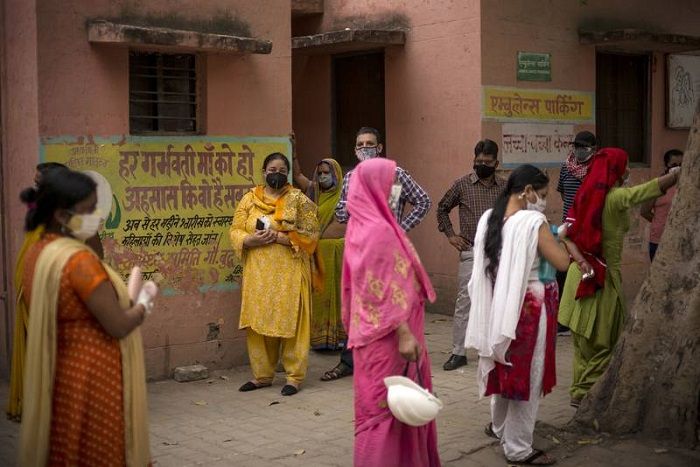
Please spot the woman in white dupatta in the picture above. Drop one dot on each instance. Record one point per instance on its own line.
(509, 325)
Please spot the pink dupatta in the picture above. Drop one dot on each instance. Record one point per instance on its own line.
(383, 280)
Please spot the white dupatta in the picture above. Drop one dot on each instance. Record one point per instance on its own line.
(495, 308)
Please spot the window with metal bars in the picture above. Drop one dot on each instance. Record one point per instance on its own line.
(163, 93)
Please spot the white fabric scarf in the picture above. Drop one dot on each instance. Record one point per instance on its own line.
(495, 308)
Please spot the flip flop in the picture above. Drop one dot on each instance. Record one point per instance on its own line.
(536, 458)
(488, 429)
(341, 370)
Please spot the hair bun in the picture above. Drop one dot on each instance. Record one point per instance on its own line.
(29, 195)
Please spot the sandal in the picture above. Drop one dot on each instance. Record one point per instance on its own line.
(341, 370)
(536, 458)
(488, 429)
(252, 386)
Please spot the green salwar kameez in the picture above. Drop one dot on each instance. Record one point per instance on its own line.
(597, 321)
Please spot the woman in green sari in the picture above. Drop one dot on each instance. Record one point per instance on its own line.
(327, 332)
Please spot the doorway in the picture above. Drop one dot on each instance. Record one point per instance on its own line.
(622, 103)
(358, 100)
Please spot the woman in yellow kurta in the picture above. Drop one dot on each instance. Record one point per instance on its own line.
(14, 405)
(274, 235)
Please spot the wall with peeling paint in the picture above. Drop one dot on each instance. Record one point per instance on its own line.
(57, 84)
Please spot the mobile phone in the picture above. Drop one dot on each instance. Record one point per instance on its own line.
(259, 224)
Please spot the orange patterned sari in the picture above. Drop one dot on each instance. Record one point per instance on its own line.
(87, 418)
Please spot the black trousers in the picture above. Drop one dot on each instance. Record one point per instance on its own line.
(346, 356)
(561, 279)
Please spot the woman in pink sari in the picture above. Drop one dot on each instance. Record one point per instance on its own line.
(384, 287)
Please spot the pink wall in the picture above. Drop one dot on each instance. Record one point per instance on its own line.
(311, 108)
(432, 103)
(82, 90)
(20, 142)
(434, 82)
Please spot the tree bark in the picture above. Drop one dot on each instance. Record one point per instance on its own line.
(652, 385)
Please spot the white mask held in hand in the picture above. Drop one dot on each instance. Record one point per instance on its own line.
(395, 196)
(148, 293)
(135, 283)
(540, 205)
(84, 226)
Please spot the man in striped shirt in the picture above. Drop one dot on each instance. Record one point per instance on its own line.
(573, 171)
(575, 168)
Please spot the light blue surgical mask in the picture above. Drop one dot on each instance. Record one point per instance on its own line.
(325, 181)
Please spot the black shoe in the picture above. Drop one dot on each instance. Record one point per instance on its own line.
(454, 362)
(251, 386)
(289, 390)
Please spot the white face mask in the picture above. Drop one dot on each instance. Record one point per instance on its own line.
(395, 196)
(84, 226)
(539, 205)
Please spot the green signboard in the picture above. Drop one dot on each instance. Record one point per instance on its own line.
(534, 66)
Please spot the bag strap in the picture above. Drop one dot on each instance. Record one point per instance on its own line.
(420, 377)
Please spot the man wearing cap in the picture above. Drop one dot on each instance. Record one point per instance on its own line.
(573, 171)
(575, 168)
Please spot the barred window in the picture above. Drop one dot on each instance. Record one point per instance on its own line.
(163, 94)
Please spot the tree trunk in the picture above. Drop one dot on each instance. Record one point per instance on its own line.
(653, 383)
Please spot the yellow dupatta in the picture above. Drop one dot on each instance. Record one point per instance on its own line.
(41, 361)
(296, 216)
(326, 200)
(19, 347)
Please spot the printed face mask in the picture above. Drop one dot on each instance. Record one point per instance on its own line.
(365, 153)
(84, 226)
(276, 180)
(582, 153)
(395, 196)
(539, 205)
(325, 180)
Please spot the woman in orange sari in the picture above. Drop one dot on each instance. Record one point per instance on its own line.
(84, 384)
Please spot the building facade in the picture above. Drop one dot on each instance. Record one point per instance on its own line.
(177, 102)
